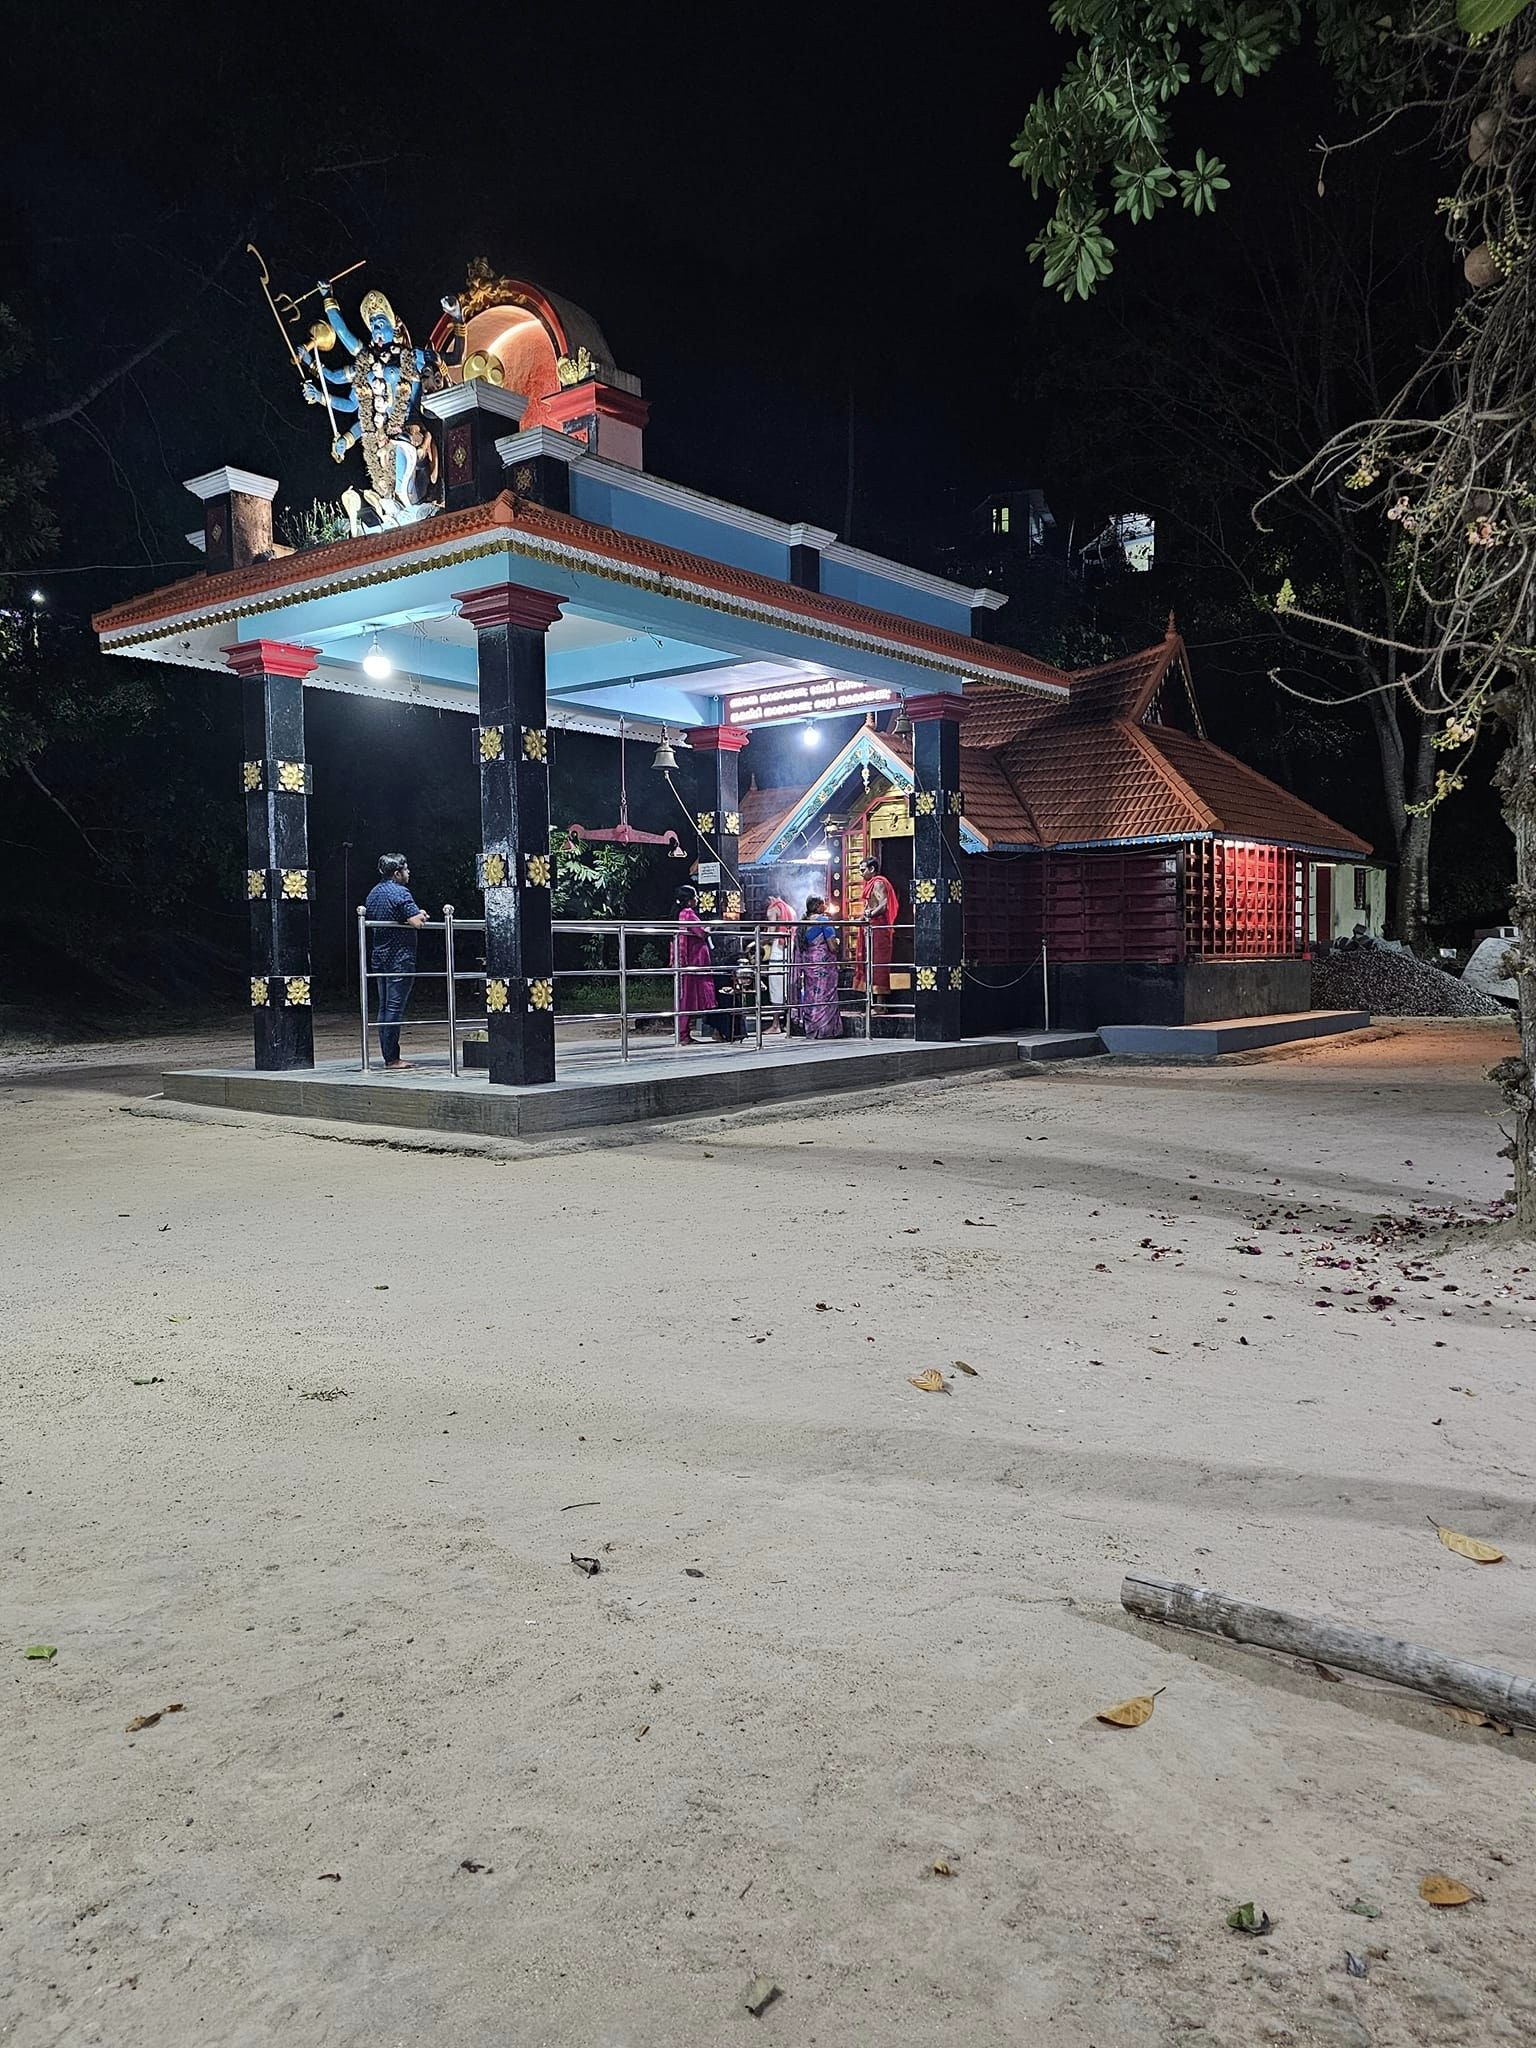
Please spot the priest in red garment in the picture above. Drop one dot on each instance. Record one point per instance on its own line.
(880, 913)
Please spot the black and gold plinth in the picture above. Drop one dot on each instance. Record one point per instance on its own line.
(468, 420)
(276, 781)
(512, 744)
(718, 819)
(938, 893)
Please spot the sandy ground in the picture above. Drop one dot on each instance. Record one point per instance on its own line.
(292, 1431)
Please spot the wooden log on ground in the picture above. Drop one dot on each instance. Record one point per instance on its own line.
(1501, 1695)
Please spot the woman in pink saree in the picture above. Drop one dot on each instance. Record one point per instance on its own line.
(691, 958)
(816, 1010)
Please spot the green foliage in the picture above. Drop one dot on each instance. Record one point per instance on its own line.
(1483, 17)
(1105, 130)
(592, 881)
(317, 523)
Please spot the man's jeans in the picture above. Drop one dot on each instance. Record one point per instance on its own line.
(394, 994)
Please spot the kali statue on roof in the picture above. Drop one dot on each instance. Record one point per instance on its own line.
(382, 385)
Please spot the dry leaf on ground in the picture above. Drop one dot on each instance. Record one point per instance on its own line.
(969, 1370)
(1441, 1890)
(148, 1720)
(929, 1382)
(1468, 1546)
(1130, 1713)
(41, 1653)
(942, 1869)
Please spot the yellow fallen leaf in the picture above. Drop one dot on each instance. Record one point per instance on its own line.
(943, 1870)
(929, 1382)
(1130, 1713)
(1441, 1890)
(1468, 1546)
(1474, 1717)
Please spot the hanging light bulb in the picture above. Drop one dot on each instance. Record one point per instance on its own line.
(809, 735)
(376, 662)
(664, 761)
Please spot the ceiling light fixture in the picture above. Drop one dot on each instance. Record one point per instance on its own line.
(809, 735)
(376, 662)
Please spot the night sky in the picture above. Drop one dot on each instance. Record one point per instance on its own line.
(765, 211)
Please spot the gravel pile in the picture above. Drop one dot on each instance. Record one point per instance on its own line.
(1388, 983)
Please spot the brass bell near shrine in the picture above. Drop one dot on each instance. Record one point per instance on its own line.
(664, 760)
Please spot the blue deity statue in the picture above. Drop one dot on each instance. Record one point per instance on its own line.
(381, 385)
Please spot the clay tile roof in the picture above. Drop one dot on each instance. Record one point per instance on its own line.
(989, 801)
(997, 713)
(1124, 688)
(1087, 786)
(762, 813)
(1095, 769)
(1244, 803)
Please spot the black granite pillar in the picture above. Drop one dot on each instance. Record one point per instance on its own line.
(279, 885)
(510, 623)
(937, 893)
(719, 824)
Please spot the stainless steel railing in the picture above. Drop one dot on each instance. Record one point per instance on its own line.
(754, 939)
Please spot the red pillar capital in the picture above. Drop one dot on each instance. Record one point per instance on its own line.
(937, 705)
(509, 604)
(718, 739)
(270, 658)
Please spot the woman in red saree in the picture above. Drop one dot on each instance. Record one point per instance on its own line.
(880, 909)
(691, 959)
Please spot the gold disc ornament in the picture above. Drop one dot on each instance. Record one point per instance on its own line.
(483, 367)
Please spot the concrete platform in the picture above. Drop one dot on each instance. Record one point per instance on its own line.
(1229, 1034)
(594, 1087)
(1061, 1045)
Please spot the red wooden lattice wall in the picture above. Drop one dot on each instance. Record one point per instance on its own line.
(1232, 901)
(1242, 902)
(1083, 906)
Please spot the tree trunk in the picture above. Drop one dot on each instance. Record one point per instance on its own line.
(1389, 744)
(1413, 848)
(1411, 921)
(1515, 778)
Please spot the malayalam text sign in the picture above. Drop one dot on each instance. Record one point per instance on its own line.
(816, 698)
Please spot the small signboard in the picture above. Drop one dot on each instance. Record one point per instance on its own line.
(708, 871)
(811, 698)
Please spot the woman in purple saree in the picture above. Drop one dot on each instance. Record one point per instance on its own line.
(816, 1007)
(690, 954)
